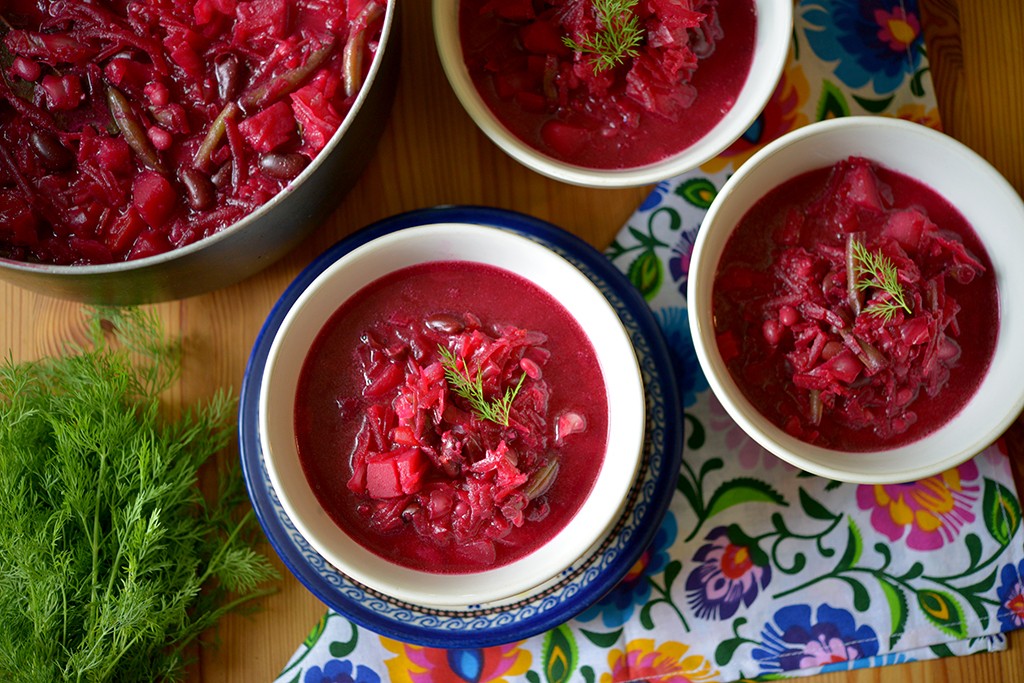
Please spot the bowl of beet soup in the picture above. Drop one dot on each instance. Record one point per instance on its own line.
(696, 76)
(851, 296)
(154, 151)
(452, 414)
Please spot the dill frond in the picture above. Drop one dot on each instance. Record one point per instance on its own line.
(875, 270)
(618, 39)
(471, 388)
(112, 562)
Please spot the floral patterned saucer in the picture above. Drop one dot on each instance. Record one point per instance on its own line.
(579, 586)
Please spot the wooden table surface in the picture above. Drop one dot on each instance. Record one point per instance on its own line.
(431, 153)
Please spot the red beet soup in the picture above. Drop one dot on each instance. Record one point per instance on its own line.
(856, 308)
(451, 417)
(688, 67)
(129, 128)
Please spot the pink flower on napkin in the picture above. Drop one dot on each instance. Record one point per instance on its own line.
(930, 512)
(415, 664)
(668, 662)
(897, 28)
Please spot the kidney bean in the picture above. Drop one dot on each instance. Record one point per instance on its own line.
(159, 137)
(789, 316)
(442, 322)
(772, 330)
(532, 370)
(51, 151)
(831, 349)
(222, 176)
(199, 190)
(282, 166)
(229, 77)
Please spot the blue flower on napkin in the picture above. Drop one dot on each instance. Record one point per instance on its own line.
(341, 671)
(833, 641)
(1011, 596)
(726, 576)
(872, 41)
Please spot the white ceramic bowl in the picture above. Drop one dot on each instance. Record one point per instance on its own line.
(445, 242)
(969, 183)
(774, 30)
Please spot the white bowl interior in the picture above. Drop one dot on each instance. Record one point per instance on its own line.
(986, 200)
(774, 30)
(443, 242)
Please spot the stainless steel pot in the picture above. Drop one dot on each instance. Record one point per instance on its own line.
(257, 240)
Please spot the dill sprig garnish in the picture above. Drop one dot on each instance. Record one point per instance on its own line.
(616, 40)
(471, 388)
(873, 269)
(113, 562)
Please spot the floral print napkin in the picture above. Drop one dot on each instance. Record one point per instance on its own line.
(759, 570)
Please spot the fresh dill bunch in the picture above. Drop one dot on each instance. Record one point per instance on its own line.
(472, 389)
(875, 270)
(112, 561)
(618, 38)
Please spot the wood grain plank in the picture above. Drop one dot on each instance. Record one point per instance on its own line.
(983, 104)
(941, 24)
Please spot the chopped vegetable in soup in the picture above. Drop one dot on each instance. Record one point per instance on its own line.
(451, 417)
(856, 308)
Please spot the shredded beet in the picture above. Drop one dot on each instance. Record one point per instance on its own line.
(131, 127)
(425, 460)
(816, 327)
(410, 458)
(515, 53)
